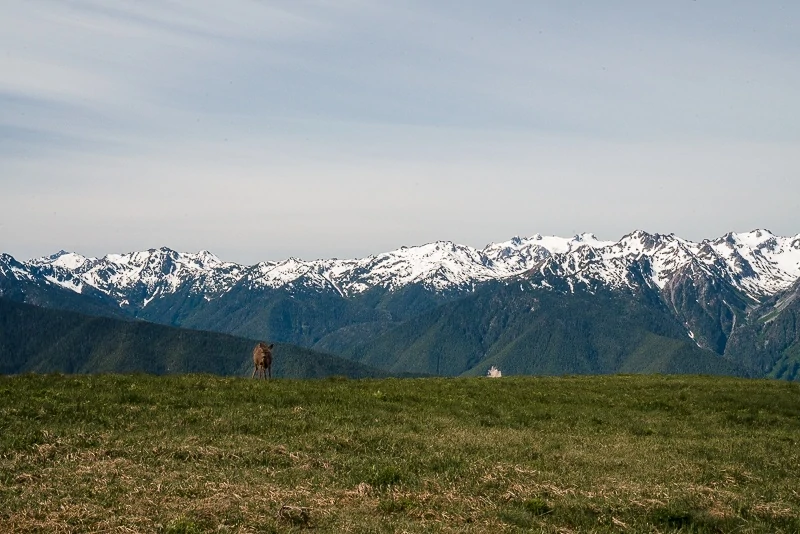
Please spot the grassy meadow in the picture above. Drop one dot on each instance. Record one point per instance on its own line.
(198, 453)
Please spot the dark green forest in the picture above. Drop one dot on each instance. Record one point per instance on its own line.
(34, 339)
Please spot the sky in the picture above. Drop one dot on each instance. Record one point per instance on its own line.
(261, 130)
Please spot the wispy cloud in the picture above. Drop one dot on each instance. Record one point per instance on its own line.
(362, 125)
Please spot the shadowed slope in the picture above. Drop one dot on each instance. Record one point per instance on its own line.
(45, 340)
(542, 332)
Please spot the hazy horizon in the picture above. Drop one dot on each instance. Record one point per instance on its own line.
(375, 252)
(261, 131)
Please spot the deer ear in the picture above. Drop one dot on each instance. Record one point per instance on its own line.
(271, 345)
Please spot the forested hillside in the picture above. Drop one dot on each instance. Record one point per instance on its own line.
(47, 340)
(522, 331)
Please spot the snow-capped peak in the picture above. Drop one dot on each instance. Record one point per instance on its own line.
(753, 239)
(438, 264)
(69, 260)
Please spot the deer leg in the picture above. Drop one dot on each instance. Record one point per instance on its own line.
(254, 372)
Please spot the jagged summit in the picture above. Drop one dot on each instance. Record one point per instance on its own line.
(758, 263)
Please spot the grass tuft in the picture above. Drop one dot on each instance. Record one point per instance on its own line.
(537, 507)
(295, 515)
(183, 525)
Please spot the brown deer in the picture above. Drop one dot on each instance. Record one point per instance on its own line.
(262, 360)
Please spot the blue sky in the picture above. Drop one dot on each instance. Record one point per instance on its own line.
(262, 130)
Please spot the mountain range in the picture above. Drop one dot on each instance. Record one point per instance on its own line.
(539, 304)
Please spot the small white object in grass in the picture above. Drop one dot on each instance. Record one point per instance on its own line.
(494, 372)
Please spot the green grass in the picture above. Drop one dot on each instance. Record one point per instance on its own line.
(196, 453)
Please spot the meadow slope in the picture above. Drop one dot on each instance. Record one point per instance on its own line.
(198, 453)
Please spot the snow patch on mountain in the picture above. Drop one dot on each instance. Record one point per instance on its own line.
(71, 284)
(758, 263)
(292, 273)
(440, 265)
(762, 262)
(138, 276)
(69, 260)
